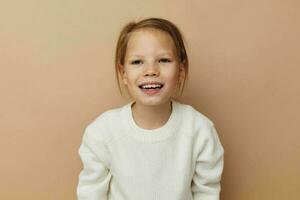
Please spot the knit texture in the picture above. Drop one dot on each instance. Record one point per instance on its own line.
(182, 160)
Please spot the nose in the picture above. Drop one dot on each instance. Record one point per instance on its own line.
(151, 70)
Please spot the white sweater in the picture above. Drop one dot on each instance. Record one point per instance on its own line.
(182, 160)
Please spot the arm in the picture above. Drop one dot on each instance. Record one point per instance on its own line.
(94, 178)
(208, 169)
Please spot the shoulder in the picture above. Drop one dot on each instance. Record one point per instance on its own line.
(106, 123)
(199, 128)
(193, 118)
(194, 124)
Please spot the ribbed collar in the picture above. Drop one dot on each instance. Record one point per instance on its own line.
(151, 135)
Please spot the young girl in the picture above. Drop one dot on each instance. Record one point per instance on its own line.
(153, 148)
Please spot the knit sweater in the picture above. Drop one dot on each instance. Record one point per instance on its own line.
(182, 160)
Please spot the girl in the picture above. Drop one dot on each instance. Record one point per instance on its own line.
(153, 148)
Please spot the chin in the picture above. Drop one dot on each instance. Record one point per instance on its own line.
(152, 101)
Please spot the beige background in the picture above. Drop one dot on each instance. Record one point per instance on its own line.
(57, 75)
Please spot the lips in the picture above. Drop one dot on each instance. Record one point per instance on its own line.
(151, 85)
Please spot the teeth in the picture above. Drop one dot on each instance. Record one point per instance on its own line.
(151, 86)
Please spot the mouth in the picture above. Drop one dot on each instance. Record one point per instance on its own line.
(151, 88)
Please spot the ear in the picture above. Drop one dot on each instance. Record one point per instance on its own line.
(123, 74)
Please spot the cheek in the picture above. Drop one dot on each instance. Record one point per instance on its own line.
(173, 76)
(175, 82)
(129, 78)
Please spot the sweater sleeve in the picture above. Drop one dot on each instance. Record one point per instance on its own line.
(94, 178)
(208, 168)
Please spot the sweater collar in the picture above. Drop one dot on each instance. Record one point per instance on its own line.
(151, 135)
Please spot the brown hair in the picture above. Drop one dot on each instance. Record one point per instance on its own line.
(155, 23)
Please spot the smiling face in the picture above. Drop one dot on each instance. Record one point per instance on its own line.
(151, 71)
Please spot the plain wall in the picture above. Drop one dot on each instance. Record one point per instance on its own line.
(57, 75)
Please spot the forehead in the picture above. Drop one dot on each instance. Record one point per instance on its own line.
(151, 40)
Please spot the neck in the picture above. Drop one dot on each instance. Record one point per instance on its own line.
(151, 117)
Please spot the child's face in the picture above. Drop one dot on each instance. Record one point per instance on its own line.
(151, 71)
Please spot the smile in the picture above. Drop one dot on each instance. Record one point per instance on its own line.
(151, 88)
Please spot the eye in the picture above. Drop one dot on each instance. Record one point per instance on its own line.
(136, 62)
(165, 60)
